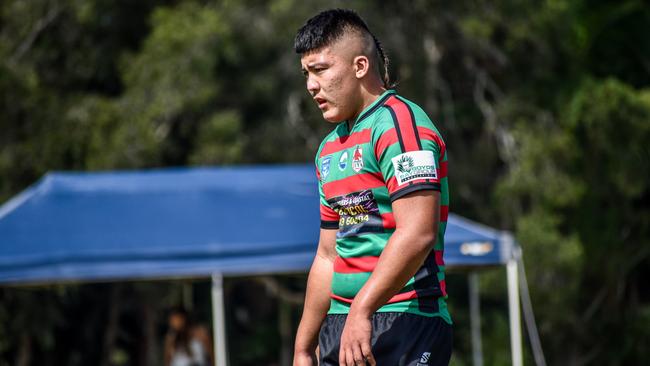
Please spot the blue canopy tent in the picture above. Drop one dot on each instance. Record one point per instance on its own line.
(192, 222)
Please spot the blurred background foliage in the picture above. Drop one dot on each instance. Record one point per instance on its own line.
(545, 107)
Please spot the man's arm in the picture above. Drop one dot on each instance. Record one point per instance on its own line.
(317, 299)
(416, 218)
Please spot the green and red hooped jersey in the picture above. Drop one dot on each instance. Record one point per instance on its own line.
(393, 149)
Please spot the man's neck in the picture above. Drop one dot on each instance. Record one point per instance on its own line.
(368, 96)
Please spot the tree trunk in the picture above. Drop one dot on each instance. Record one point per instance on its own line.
(112, 325)
(25, 350)
(151, 355)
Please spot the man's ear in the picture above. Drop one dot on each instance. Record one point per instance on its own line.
(361, 66)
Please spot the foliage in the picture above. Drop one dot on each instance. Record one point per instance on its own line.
(545, 107)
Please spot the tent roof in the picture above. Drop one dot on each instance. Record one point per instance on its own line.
(183, 222)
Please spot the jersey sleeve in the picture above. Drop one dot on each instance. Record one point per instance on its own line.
(329, 219)
(408, 149)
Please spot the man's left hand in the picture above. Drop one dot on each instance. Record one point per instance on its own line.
(355, 342)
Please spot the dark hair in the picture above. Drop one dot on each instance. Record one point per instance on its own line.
(329, 26)
(178, 309)
(181, 338)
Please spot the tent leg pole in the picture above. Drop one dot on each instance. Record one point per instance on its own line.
(515, 317)
(475, 319)
(219, 321)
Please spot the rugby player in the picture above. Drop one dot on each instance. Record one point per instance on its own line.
(376, 289)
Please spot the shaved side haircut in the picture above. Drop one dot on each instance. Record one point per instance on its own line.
(330, 26)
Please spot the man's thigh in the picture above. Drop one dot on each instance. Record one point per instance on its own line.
(398, 339)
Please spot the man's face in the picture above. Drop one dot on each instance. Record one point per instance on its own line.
(177, 321)
(331, 81)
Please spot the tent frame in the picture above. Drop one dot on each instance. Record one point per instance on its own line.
(514, 309)
(219, 320)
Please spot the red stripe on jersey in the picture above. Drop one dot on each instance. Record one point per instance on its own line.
(341, 298)
(344, 142)
(443, 170)
(392, 185)
(355, 265)
(443, 287)
(404, 124)
(389, 138)
(403, 297)
(388, 220)
(439, 257)
(444, 213)
(353, 183)
(428, 134)
(327, 214)
(385, 140)
(409, 295)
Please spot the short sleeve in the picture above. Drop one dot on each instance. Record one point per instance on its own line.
(329, 219)
(408, 149)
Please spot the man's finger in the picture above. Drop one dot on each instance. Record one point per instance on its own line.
(367, 353)
(359, 360)
(342, 356)
(349, 356)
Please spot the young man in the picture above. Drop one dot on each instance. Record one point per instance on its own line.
(376, 289)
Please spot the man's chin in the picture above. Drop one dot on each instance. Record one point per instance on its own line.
(332, 117)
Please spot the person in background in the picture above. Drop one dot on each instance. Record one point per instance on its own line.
(187, 344)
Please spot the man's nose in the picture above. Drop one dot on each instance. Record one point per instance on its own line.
(312, 85)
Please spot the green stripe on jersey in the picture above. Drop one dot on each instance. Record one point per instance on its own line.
(339, 307)
(347, 285)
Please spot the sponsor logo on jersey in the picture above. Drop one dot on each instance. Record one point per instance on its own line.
(343, 161)
(415, 165)
(358, 213)
(325, 167)
(424, 360)
(404, 164)
(357, 159)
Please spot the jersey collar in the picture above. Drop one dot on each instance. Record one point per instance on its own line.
(372, 107)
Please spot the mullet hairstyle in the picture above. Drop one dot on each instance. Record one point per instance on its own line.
(329, 26)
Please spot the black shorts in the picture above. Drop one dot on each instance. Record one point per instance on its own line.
(398, 339)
